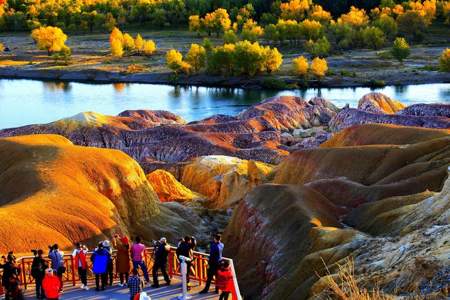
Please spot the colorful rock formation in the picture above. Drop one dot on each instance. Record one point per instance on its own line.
(155, 137)
(168, 188)
(379, 103)
(283, 235)
(52, 191)
(224, 180)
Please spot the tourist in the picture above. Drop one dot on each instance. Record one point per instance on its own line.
(224, 280)
(80, 261)
(110, 268)
(57, 263)
(134, 284)
(185, 248)
(38, 267)
(100, 259)
(137, 255)
(215, 256)
(122, 258)
(10, 278)
(162, 250)
(51, 285)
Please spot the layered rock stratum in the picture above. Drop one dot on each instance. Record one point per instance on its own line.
(385, 204)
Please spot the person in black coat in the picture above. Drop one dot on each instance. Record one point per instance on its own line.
(38, 268)
(162, 250)
(186, 249)
(10, 279)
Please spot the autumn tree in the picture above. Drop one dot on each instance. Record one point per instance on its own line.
(355, 17)
(218, 21)
(400, 49)
(294, 9)
(139, 43)
(373, 37)
(196, 57)
(321, 47)
(272, 58)
(116, 48)
(310, 29)
(412, 25)
(52, 39)
(388, 25)
(221, 60)
(230, 37)
(149, 47)
(251, 31)
(300, 66)
(319, 67)
(195, 23)
(319, 14)
(2, 47)
(128, 42)
(175, 62)
(116, 34)
(444, 61)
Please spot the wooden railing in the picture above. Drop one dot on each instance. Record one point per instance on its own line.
(198, 270)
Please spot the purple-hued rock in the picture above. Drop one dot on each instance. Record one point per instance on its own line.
(430, 110)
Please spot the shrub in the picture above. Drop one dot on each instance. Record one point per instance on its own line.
(248, 58)
(444, 60)
(149, 47)
(387, 24)
(63, 55)
(319, 67)
(221, 59)
(300, 66)
(175, 62)
(373, 37)
(116, 48)
(251, 31)
(116, 34)
(128, 42)
(52, 39)
(230, 37)
(321, 47)
(310, 29)
(400, 49)
(412, 25)
(139, 43)
(272, 59)
(196, 57)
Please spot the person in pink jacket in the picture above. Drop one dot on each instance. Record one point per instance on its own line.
(137, 256)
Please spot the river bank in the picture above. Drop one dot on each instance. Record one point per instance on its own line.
(276, 82)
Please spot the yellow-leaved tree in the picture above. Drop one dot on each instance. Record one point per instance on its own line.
(116, 48)
(272, 59)
(149, 47)
(319, 67)
(355, 17)
(196, 57)
(139, 43)
(175, 62)
(300, 66)
(49, 38)
(444, 60)
(128, 42)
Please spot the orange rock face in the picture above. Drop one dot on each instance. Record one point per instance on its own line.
(380, 103)
(168, 188)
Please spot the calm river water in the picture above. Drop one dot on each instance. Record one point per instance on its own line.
(29, 101)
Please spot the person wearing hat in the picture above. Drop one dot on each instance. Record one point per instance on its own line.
(122, 258)
(51, 285)
(161, 254)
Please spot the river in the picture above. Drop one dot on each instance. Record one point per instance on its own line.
(25, 102)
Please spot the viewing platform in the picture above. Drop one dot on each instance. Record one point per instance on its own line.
(73, 291)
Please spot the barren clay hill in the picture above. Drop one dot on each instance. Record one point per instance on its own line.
(385, 205)
(52, 191)
(155, 137)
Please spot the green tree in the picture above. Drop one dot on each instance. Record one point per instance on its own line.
(373, 37)
(400, 49)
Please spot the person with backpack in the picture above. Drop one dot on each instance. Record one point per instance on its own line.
(122, 258)
(79, 255)
(161, 254)
(38, 267)
(51, 285)
(57, 263)
(137, 255)
(224, 280)
(100, 259)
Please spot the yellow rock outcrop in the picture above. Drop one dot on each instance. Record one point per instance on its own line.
(223, 180)
(168, 188)
(380, 103)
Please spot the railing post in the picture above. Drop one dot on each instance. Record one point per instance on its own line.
(74, 282)
(24, 278)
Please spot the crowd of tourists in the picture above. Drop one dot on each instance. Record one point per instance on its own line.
(48, 271)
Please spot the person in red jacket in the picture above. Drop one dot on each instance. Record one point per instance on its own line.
(79, 259)
(51, 285)
(224, 280)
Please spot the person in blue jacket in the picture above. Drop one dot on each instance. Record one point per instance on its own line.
(215, 256)
(100, 259)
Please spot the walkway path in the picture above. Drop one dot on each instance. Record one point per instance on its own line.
(118, 293)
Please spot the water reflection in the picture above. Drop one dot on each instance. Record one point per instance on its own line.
(27, 102)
